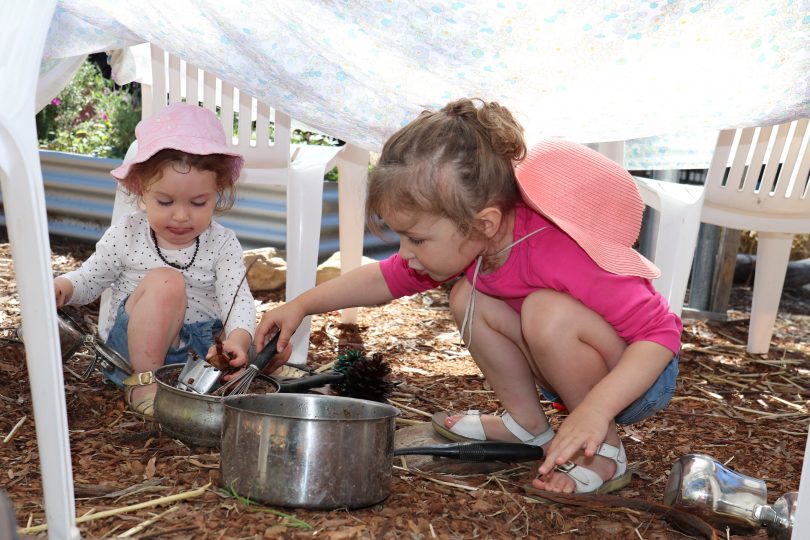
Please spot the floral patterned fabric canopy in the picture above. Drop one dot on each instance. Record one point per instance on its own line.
(668, 72)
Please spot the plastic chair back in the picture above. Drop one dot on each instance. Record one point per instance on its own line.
(180, 81)
(765, 186)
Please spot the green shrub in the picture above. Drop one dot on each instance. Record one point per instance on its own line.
(89, 116)
(93, 117)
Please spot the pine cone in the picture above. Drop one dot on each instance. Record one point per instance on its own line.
(347, 359)
(366, 378)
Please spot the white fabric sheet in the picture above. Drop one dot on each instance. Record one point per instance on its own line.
(588, 71)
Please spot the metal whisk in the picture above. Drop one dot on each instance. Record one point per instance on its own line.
(241, 383)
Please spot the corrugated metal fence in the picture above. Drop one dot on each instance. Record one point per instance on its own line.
(79, 195)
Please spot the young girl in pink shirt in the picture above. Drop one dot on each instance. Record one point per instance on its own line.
(553, 296)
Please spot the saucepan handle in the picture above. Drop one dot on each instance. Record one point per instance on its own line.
(478, 451)
(297, 386)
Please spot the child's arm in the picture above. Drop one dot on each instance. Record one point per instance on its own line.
(587, 425)
(63, 289)
(100, 270)
(363, 286)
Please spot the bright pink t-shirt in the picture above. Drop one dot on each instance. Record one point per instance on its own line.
(550, 259)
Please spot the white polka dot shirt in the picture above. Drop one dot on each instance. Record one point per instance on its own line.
(126, 253)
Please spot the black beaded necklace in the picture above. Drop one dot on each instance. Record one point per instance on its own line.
(173, 265)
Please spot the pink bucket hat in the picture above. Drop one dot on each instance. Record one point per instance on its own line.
(590, 197)
(180, 126)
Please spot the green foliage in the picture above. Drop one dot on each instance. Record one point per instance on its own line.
(287, 519)
(90, 116)
(93, 117)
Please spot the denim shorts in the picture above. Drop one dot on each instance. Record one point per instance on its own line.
(197, 337)
(654, 399)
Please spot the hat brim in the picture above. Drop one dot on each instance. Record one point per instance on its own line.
(191, 145)
(613, 257)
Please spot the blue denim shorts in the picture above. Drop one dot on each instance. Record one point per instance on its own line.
(656, 398)
(197, 337)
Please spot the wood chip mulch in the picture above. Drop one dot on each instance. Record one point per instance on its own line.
(748, 412)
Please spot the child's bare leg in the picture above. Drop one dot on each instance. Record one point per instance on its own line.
(156, 312)
(501, 354)
(573, 348)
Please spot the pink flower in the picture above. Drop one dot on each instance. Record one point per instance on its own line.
(56, 102)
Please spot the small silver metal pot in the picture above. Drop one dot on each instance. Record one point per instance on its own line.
(71, 336)
(721, 496)
(195, 419)
(307, 451)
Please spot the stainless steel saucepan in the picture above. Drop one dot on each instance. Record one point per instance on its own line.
(324, 452)
(307, 451)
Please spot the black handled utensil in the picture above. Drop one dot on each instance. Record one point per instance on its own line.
(478, 451)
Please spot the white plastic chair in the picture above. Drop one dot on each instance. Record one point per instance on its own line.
(21, 44)
(764, 190)
(300, 168)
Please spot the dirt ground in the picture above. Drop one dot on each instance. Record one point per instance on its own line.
(748, 412)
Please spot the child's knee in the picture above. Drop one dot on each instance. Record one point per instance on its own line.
(165, 284)
(459, 295)
(167, 279)
(547, 315)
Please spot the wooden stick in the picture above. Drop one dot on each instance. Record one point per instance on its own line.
(16, 427)
(407, 422)
(710, 394)
(436, 480)
(412, 409)
(788, 403)
(144, 524)
(116, 511)
(325, 367)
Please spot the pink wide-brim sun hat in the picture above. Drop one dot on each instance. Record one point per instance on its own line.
(180, 126)
(591, 198)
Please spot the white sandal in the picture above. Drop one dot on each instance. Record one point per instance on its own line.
(587, 481)
(470, 428)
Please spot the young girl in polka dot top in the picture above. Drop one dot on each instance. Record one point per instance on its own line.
(173, 271)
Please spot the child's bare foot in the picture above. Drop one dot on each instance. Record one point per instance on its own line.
(559, 482)
(596, 474)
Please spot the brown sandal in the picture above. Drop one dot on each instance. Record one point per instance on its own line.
(145, 406)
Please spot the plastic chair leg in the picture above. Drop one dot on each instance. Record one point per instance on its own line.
(773, 254)
(353, 173)
(675, 241)
(304, 210)
(24, 197)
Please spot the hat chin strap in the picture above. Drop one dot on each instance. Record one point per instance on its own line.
(466, 324)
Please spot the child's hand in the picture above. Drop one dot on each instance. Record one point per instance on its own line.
(585, 428)
(63, 290)
(235, 352)
(284, 319)
(234, 348)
